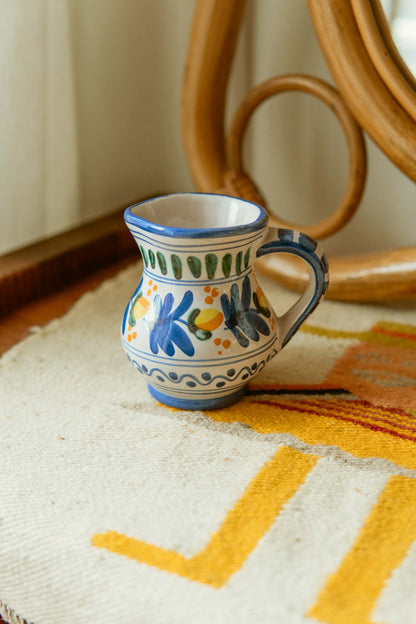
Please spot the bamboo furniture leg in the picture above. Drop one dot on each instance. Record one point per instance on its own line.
(210, 53)
(367, 277)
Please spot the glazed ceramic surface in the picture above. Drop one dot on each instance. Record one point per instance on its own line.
(199, 326)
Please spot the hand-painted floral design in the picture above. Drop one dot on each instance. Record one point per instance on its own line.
(163, 323)
(139, 307)
(244, 322)
(202, 323)
(260, 302)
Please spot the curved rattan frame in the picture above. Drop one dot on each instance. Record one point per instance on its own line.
(376, 91)
(376, 35)
(344, 34)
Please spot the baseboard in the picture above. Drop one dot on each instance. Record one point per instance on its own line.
(50, 265)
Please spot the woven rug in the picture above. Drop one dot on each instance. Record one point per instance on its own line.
(296, 505)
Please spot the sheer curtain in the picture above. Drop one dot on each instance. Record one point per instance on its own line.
(90, 95)
(89, 109)
(36, 107)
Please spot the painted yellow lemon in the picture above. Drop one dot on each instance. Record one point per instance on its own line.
(209, 319)
(261, 298)
(140, 308)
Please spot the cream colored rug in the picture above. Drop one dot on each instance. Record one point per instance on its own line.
(296, 505)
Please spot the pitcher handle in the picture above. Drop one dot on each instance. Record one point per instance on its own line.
(303, 246)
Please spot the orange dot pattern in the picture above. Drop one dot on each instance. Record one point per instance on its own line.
(209, 299)
(225, 343)
(214, 292)
(132, 336)
(152, 289)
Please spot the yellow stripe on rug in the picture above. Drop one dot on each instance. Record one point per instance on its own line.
(322, 422)
(350, 594)
(393, 334)
(246, 523)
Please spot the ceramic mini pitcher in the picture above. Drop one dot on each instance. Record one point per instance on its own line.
(199, 326)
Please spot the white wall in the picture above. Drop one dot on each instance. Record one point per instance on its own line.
(90, 96)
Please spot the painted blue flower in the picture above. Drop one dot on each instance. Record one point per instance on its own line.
(244, 322)
(163, 323)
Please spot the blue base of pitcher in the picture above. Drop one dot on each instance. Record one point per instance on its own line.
(196, 404)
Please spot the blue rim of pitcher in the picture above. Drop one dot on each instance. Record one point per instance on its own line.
(163, 230)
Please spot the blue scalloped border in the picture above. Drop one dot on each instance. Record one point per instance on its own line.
(206, 379)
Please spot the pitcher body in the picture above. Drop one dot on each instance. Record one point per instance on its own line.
(198, 326)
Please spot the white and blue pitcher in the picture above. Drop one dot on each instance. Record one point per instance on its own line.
(198, 325)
